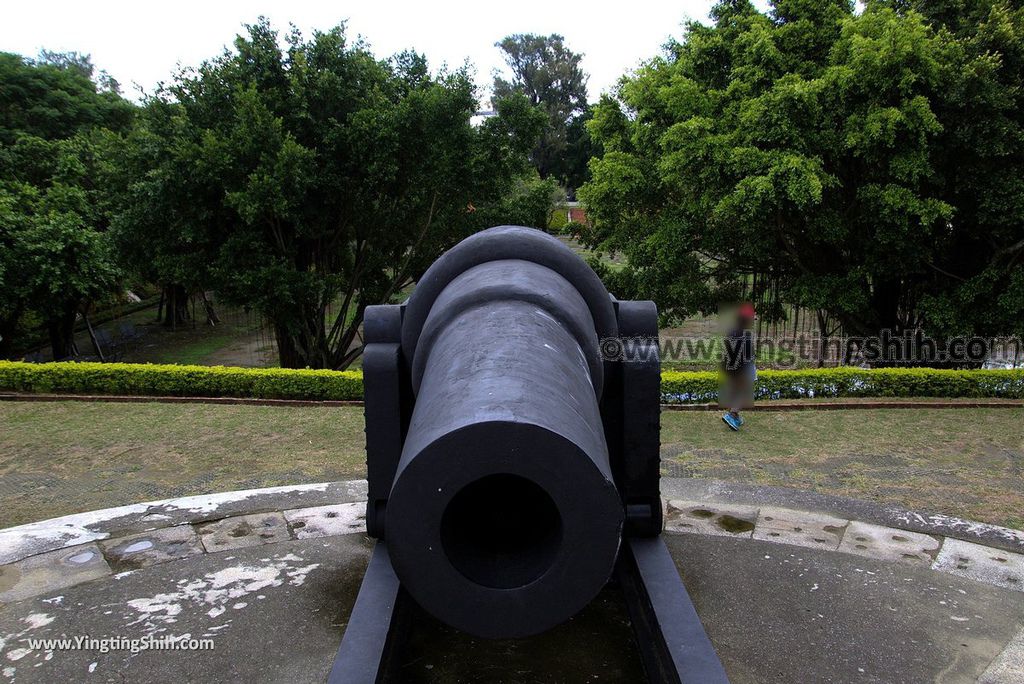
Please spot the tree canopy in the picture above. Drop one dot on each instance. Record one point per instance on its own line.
(547, 72)
(864, 164)
(55, 255)
(54, 98)
(314, 180)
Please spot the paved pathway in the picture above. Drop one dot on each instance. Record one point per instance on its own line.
(791, 587)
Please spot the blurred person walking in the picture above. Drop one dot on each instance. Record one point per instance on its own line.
(738, 368)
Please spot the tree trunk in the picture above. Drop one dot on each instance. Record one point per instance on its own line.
(8, 328)
(92, 336)
(211, 316)
(289, 354)
(6, 342)
(61, 330)
(822, 337)
(175, 305)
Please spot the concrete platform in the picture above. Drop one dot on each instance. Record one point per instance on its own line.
(843, 592)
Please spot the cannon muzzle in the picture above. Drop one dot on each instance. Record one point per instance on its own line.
(488, 427)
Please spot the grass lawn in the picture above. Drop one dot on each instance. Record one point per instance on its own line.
(965, 462)
(615, 262)
(65, 457)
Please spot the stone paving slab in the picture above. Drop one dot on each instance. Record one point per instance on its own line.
(149, 548)
(326, 521)
(981, 563)
(701, 517)
(800, 528)
(47, 535)
(51, 571)
(243, 531)
(128, 549)
(886, 543)
(700, 489)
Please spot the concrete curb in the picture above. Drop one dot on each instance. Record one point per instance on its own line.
(54, 554)
(23, 541)
(886, 515)
(827, 533)
(795, 405)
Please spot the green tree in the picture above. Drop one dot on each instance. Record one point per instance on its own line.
(530, 202)
(822, 151)
(322, 180)
(56, 256)
(981, 261)
(55, 98)
(167, 218)
(54, 212)
(549, 74)
(580, 148)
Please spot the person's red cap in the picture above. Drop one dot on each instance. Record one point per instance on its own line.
(747, 310)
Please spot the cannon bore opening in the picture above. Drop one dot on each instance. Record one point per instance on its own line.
(501, 531)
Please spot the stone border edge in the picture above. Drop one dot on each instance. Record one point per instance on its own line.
(887, 515)
(104, 541)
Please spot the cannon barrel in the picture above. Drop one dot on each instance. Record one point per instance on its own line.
(502, 516)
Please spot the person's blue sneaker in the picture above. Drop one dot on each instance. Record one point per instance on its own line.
(729, 420)
(739, 419)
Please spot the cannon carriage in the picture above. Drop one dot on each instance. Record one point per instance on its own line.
(512, 430)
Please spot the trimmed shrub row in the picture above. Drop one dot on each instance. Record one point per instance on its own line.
(318, 385)
(180, 381)
(685, 387)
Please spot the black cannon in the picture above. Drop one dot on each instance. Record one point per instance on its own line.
(512, 430)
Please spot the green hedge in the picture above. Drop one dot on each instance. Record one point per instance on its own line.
(180, 381)
(676, 386)
(686, 387)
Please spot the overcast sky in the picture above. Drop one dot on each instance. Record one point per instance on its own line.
(141, 42)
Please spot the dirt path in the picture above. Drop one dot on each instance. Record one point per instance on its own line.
(254, 350)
